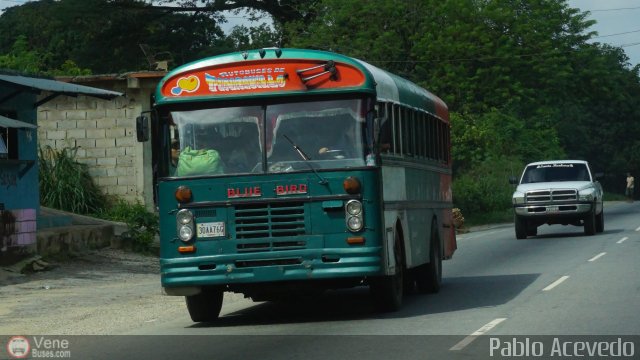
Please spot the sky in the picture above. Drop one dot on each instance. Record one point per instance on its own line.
(617, 22)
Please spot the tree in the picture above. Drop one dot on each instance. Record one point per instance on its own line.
(105, 36)
(27, 61)
(282, 11)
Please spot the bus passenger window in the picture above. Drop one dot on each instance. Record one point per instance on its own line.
(386, 137)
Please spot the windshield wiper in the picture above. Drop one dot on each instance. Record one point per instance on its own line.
(306, 159)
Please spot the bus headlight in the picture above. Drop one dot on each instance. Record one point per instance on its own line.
(185, 232)
(354, 223)
(184, 217)
(184, 222)
(354, 207)
(353, 214)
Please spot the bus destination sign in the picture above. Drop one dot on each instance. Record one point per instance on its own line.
(266, 76)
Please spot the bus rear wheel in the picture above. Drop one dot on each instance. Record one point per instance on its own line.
(205, 307)
(387, 292)
(429, 276)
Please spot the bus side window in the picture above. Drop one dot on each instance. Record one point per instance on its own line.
(385, 137)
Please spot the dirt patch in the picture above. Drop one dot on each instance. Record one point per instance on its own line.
(109, 291)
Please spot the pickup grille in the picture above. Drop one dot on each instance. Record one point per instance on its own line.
(270, 220)
(560, 195)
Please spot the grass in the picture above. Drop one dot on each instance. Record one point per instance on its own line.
(491, 217)
(614, 197)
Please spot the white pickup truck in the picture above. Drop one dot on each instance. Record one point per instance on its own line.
(557, 192)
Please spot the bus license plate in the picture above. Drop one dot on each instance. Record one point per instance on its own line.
(553, 209)
(211, 229)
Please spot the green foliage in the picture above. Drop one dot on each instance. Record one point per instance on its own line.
(244, 38)
(485, 187)
(490, 217)
(142, 224)
(25, 60)
(105, 36)
(20, 58)
(522, 78)
(65, 184)
(519, 76)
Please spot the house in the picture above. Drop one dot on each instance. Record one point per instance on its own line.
(104, 132)
(20, 98)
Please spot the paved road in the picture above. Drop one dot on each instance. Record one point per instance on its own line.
(558, 283)
(497, 291)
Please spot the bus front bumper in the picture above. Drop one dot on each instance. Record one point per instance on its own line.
(186, 276)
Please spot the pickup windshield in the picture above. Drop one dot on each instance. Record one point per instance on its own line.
(555, 172)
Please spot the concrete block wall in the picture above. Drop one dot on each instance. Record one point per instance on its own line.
(105, 136)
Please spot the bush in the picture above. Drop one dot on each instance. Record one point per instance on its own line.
(65, 184)
(485, 188)
(142, 224)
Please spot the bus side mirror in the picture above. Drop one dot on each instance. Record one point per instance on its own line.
(142, 128)
(513, 180)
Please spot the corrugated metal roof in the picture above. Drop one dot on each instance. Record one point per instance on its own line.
(8, 122)
(38, 84)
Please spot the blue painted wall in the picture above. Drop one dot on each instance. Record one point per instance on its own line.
(19, 192)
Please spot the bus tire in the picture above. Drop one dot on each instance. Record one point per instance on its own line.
(429, 276)
(387, 292)
(205, 307)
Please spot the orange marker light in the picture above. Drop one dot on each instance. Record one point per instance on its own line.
(183, 194)
(357, 240)
(351, 185)
(186, 249)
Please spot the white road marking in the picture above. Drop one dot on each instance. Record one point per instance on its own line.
(479, 234)
(483, 330)
(556, 283)
(622, 240)
(598, 256)
(638, 228)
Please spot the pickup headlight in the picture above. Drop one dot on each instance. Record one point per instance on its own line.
(586, 196)
(518, 198)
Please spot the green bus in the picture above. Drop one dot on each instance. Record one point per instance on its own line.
(282, 172)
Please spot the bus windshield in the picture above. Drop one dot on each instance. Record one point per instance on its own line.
(236, 140)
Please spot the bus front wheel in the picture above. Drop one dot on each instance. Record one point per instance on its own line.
(205, 307)
(387, 291)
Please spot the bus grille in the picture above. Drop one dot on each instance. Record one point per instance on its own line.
(269, 220)
(552, 195)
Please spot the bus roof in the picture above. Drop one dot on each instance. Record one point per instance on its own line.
(291, 72)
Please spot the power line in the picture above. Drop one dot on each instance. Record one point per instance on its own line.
(616, 9)
(622, 33)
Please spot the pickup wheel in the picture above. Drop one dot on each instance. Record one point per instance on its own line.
(521, 227)
(590, 222)
(600, 222)
(205, 307)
